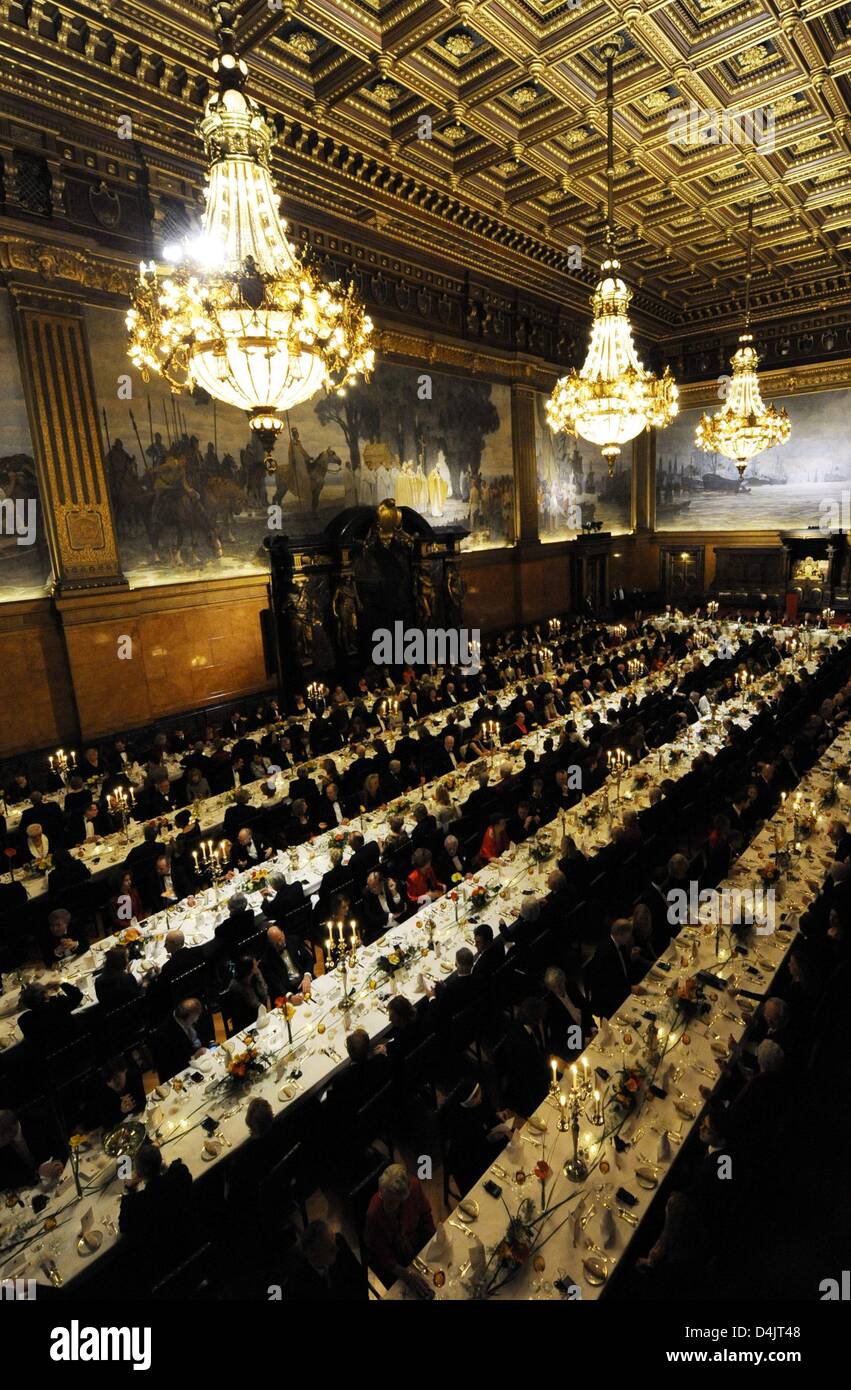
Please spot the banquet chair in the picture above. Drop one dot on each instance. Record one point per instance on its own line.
(300, 920)
(373, 1121)
(282, 1193)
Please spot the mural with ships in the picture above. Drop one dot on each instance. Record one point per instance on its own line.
(791, 487)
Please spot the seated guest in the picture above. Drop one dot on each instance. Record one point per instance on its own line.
(405, 1029)
(47, 814)
(67, 872)
(240, 813)
(19, 789)
(381, 905)
(525, 1052)
(423, 885)
(244, 995)
(47, 1019)
(399, 1223)
(249, 1168)
(324, 1270)
(240, 923)
(364, 857)
(643, 954)
(333, 879)
(489, 954)
(125, 902)
(496, 838)
(474, 1134)
(330, 812)
(161, 891)
(115, 985)
(61, 938)
(281, 897)
(612, 971)
(184, 1035)
(367, 1070)
(573, 865)
(185, 873)
(181, 958)
(568, 1022)
(196, 786)
(157, 1211)
(450, 862)
(247, 851)
(286, 964)
(29, 1150)
(78, 796)
(141, 859)
(87, 826)
(425, 828)
(160, 800)
(299, 826)
(36, 845)
(118, 1092)
(454, 993)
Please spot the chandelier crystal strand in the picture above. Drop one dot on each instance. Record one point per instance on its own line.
(612, 398)
(745, 425)
(239, 314)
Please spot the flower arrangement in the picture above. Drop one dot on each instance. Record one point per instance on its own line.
(44, 864)
(397, 958)
(590, 817)
(341, 838)
(769, 873)
(523, 1237)
(258, 878)
(688, 996)
(540, 849)
(626, 1087)
(479, 897)
(246, 1066)
(640, 779)
(131, 938)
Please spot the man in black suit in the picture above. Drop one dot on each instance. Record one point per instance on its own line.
(392, 782)
(78, 796)
(159, 890)
(142, 858)
(613, 973)
(181, 958)
(450, 996)
(286, 963)
(248, 850)
(382, 905)
(239, 814)
(24, 1146)
(479, 800)
(87, 826)
(655, 898)
(47, 814)
(364, 857)
(185, 1034)
(281, 898)
(489, 955)
(444, 756)
(240, 923)
(525, 1053)
(332, 880)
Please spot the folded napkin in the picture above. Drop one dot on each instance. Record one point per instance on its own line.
(608, 1232)
(478, 1257)
(437, 1246)
(262, 1017)
(663, 1150)
(514, 1152)
(604, 1037)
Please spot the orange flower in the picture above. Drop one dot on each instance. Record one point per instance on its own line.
(632, 1084)
(542, 1170)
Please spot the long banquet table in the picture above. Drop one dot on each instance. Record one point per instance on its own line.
(305, 1065)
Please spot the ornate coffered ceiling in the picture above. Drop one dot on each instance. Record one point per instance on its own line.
(474, 129)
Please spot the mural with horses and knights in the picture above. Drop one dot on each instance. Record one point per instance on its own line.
(191, 496)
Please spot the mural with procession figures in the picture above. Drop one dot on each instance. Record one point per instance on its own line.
(791, 487)
(574, 487)
(25, 570)
(190, 491)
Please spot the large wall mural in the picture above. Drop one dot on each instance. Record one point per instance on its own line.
(790, 487)
(574, 486)
(191, 495)
(25, 570)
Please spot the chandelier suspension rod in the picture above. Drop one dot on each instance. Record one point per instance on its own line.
(610, 142)
(748, 271)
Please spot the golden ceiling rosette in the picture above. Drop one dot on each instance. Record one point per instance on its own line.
(237, 313)
(612, 397)
(745, 425)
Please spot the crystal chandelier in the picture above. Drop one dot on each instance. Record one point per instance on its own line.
(238, 314)
(745, 425)
(612, 398)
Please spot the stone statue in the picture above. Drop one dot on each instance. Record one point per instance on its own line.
(426, 598)
(455, 591)
(301, 620)
(346, 606)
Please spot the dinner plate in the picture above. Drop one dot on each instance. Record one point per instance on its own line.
(468, 1210)
(645, 1177)
(685, 1108)
(91, 1245)
(287, 1092)
(539, 1126)
(596, 1270)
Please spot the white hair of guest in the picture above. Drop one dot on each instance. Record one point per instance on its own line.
(395, 1180)
(450, 844)
(277, 881)
(554, 979)
(530, 910)
(775, 1011)
(838, 871)
(769, 1056)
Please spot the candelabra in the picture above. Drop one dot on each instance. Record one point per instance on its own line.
(388, 709)
(211, 860)
(490, 731)
(63, 763)
(119, 803)
(554, 627)
(337, 952)
(576, 1167)
(316, 693)
(712, 609)
(618, 761)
